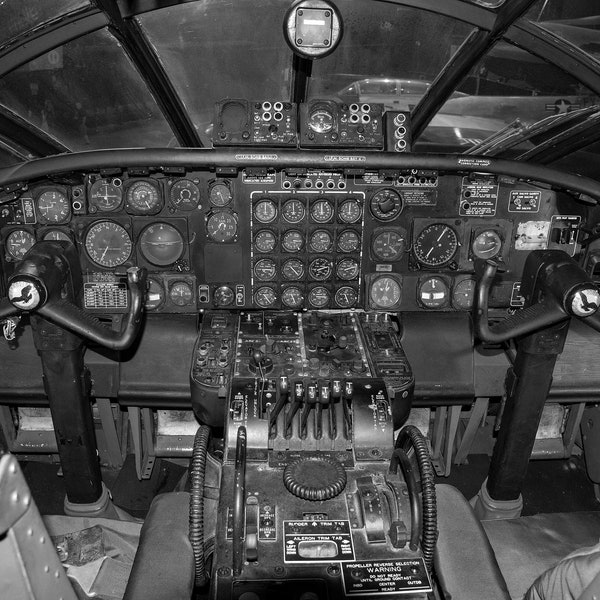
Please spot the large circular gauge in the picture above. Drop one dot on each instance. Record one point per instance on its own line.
(321, 120)
(385, 292)
(181, 293)
(53, 206)
(320, 269)
(347, 269)
(161, 244)
(319, 297)
(433, 292)
(348, 241)
(56, 235)
(265, 296)
(292, 269)
(219, 193)
(292, 241)
(293, 211)
(265, 269)
(321, 211)
(265, 241)
(346, 296)
(265, 211)
(221, 226)
(18, 243)
(143, 198)
(386, 204)
(350, 211)
(223, 296)
(155, 294)
(184, 195)
(106, 195)
(436, 245)
(463, 294)
(320, 241)
(292, 297)
(486, 244)
(389, 245)
(108, 244)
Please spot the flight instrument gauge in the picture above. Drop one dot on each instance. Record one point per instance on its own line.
(293, 269)
(220, 194)
(386, 204)
(436, 245)
(346, 296)
(320, 269)
(292, 241)
(389, 245)
(292, 297)
(321, 211)
(385, 292)
(265, 211)
(320, 241)
(350, 211)
(265, 269)
(319, 297)
(57, 235)
(463, 294)
(108, 244)
(155, 294)
(293, 211)
(161, 244)
(265, 241)
(221, 226)
(347, 269)
(321, 120)
(487, 244)
(433, 292)
(143, 198)
(265, 296)
(181, 293)
(348, 241)
(184, 195)
(18, 243)
(53, 206)
(106, 195)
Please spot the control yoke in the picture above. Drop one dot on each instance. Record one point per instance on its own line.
(555, 289)
(48, 280)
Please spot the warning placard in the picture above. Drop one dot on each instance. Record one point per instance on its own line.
(524, 201)
(479, 197)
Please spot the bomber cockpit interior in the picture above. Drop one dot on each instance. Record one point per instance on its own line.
(299, 299)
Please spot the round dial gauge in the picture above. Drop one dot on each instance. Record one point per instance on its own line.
(265, 211)
(433, 292)
(143, 198)
(293, 211)
(293, 269)
(265, 241)
(319, 297)
(347, 269)
(346, 296)
(181, 293)
(292, 297)
(320, 269)
(106, 195)
(386, 204)
(224, 296)
(463, 294)
(436, 245)
(265, 296)
(57, 235)
(155, 294)
(265, 269)
(292, 241)
(321, 211)
(320, 241)
(389, 245)
(221, 226)
(18, 243)
(161, 244)
(350, 211)
(348, 241)
(385, 292)
(184, 195)
(220, 194)
(321, 120)
(487, 244)
(53, 206)
(108, 244)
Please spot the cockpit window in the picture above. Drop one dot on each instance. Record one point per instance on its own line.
(88, 95)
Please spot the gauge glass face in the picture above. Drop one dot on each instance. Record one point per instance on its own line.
(320, 269)
(221, 226)
(386, 204)
(161, 244)
(265, 211)
(155, 294)
(293, 211)
(385, 292)
(56, 235)
(184, 195)
(143, 198)
(18, 243)
(223, 296)
(220, 194)
(293, 269)
(321, 211)
(108, 244)
(292, 241)
(347, 269)
(53, 207)
(106, 195)
(348, 241)
(433, 293)
(389, 245)
(265, 269)
(463, 294)
(181, 293)
(292, 297)
(265, 241)
(350, 211)
(319, 297)
(265, 296)
(487, 244)
(320, 241)
(436, 245)
(321, 120)
(346, 296)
